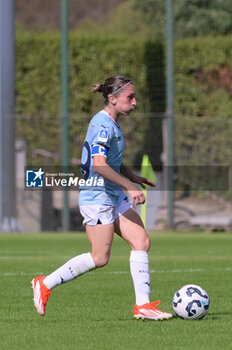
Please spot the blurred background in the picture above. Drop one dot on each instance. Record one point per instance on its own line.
(128, 37)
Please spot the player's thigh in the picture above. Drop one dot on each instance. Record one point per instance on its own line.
(130, 227)
(100, 238)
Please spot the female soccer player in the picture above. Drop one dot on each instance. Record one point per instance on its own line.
(105, 208)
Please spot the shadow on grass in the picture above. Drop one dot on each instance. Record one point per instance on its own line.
(209, 316)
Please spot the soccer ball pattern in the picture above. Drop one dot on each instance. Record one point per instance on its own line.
(191, 302)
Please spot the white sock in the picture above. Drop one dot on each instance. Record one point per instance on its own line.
(72, 269)
(139, 267)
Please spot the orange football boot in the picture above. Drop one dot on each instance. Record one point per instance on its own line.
(150, 311)
(41, 294)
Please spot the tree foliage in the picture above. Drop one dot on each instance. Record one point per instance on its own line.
(191, 17)
(45, 15)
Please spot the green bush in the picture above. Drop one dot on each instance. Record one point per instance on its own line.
(203, 101)
(92, 59)
(203, 104)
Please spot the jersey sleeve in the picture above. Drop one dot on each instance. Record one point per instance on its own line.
(100, 143)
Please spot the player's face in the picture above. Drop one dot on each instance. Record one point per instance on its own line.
(125, 102)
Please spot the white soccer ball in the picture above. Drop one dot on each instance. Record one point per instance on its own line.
(191, 302)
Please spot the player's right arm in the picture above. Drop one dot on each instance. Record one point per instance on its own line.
(101, 167)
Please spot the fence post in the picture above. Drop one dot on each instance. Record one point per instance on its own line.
(8, 220)
(169, 108)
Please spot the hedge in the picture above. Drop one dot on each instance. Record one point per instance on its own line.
(203, 105)
(202, 108)
(92, 59)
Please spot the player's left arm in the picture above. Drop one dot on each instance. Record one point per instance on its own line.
(135, 178)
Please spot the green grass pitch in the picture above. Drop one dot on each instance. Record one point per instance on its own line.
(96, 310)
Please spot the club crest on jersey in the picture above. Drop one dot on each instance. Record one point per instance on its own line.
(103, 135)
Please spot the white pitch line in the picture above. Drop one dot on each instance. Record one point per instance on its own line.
(20, 274)
(174, 271)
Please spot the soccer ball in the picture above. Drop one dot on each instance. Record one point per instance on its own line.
(191, 302)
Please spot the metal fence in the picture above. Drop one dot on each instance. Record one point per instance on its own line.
(202, 169)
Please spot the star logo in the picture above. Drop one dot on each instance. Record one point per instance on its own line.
(34, 178)
(38, 173)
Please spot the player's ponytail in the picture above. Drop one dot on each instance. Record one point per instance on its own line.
(112, 85)
(97, 88)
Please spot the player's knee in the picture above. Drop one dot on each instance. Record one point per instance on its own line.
(101, 260)
(142, 244)
(147, 244)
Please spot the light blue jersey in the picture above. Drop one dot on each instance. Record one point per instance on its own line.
(104, 137)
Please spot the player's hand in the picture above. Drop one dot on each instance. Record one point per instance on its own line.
(137, 196)
(142, 181)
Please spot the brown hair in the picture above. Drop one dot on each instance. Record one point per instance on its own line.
(112, 85)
